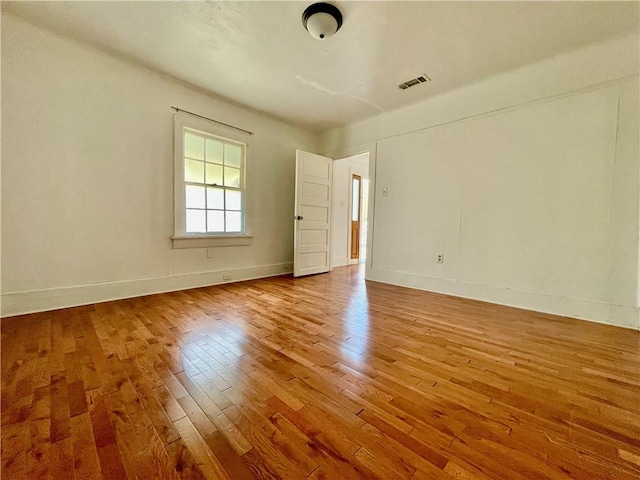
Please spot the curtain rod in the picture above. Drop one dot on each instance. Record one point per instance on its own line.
(212, 120)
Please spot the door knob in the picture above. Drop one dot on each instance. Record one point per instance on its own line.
(299, 217)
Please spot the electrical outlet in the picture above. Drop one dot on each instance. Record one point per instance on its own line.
(440, 258)
(226, 276)
(210, 253)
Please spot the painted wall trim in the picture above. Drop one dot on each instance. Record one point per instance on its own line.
(339, 261)
(203, 241)
(19, 303)
(517, 106)
(616, 315)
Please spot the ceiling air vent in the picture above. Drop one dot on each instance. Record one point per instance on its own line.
(414, 81)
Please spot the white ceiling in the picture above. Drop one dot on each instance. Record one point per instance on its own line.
(259, 55)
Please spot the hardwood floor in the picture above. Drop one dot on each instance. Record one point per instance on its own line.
(319, 377)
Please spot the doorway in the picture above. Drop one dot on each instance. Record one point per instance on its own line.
(356, 192)
(350, 209)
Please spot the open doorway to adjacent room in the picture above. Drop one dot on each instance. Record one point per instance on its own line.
(350, 209)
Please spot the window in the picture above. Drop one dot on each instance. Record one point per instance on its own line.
(213, 169)
(210, 170)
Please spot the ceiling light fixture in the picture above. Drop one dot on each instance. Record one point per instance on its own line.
(322, 20)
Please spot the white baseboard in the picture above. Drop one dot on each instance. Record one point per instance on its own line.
(339, 261)
(600, 312)
(18, 303)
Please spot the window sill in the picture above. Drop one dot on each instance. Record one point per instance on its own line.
(204, 241)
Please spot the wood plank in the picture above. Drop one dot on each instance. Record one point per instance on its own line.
(85, 455)
(202, 454)
(105, 438)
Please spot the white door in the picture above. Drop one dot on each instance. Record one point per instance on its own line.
(312, 243)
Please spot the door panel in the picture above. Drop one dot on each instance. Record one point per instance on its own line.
(312, 243)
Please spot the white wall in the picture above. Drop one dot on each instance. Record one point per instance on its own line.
(343, 169)
(528, 182)
(87, 178)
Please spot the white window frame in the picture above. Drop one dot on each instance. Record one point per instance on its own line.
(182, 239)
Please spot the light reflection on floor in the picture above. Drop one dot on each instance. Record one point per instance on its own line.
(356, 321)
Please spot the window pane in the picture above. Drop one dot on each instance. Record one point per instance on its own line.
(231, 177)
(234, 221)
(214, 151)
(214, 174)
(234, 200)
(193, 146)
(215, 198)
(195, 221)
(193, 171)
(194, 196)
(232, 155)
(215, 221)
